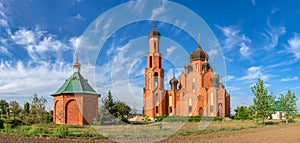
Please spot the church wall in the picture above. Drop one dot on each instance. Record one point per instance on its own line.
(81, 110)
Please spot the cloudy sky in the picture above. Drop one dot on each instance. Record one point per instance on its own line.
(246, 40)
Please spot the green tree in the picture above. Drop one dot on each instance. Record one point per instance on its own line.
(264, 103)
(27, 107)
(289, 105)
(121, 110)
(242, 113)
(3, 107)
(106, 109)
(14, 108)
(38, 107)
(109, 102)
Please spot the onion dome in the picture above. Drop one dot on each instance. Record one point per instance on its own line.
(187, 65)
(173, 82)
(153, 32)
(199, 54)
(215, 80)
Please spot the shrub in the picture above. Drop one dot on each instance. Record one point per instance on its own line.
(7, 127)
(1, 124)
(35, 130)
(24, 129)
(61, 131)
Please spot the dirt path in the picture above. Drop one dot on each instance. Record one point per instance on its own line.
(268, 134)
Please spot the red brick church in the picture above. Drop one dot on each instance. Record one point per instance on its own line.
(75, 102)
(197, 92)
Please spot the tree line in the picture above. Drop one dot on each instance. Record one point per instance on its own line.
(264, 105)
(31, 113)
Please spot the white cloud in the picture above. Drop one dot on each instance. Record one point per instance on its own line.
(26, 37)
(253, 73)
(274, 10)
(3, 17)
(170, 50)
(245, 51)
(294, 46)
(75, 41)
(3, 23)
(159, 11)
(233, 38)
(228, 78)
(272, 35)
(289, 79)
(4, 50)
(22, 78)
(77, 17)
(232, 88)
(38, 43)
(138, 7)
(213, 52)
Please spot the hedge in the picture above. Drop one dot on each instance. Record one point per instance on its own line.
(186, 118)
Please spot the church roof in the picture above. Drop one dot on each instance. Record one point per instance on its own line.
(75, 84)
(278, 106)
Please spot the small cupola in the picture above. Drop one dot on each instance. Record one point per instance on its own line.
(173, 82)
(76, 65)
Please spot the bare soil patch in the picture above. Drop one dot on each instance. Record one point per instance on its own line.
(267, 134)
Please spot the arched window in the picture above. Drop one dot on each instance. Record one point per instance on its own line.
(197, 66)
(201, 111)
(154, 46)
(220, 110)
(156, 78)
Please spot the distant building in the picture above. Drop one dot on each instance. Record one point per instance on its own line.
(198, 92)
(75, 102)
(278, 111)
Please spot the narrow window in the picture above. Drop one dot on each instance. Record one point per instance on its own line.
(190, 105)
(156, 99)
(197, 67)
(156, 79)
(159, 62)
(156, 109)
(211, 108)
(150, 61)
(149, 80)
(194, 85)
(170, 109)
(154, 46)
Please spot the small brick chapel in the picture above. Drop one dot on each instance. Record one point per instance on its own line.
(75, 102)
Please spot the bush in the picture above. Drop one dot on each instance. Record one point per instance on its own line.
(35, 130)
(1, 124)
(61, 131)
(7, 127)
(24, 129)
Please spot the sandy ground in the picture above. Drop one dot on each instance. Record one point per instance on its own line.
(268, 134)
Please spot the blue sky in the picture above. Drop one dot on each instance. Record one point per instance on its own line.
(257, 39)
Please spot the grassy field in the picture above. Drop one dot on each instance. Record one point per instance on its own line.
(218, 131)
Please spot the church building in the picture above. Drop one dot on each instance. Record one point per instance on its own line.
(197, 92)
(75, 102)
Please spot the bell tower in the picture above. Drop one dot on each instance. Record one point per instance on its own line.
(153, 95)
